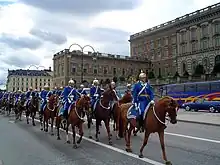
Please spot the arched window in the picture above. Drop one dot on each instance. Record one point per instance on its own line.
(217, 59)
(183, 67)
(205, 63)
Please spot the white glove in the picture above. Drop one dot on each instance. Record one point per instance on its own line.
(152, 102)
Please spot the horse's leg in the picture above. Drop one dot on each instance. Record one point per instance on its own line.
(117, 121)
(33, 116)
(52, 121)
(89, 122)
(128, 138)
(41, 120)
(106, 121)
(161, 137)
(97, 129)
(58, 127)
(74, 136)
(67, 132)
(27, 116)
(146, 136)
(80, 126)
(47, 124)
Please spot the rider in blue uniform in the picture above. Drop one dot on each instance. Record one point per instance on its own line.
(95, 94)
(81, 90)
(55, 90)
(43, 96)
(142, 98)
(70, 97)
(17, 96)
(28, 96)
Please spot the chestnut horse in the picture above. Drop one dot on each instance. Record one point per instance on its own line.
(75, 118)
(50, 112)
(103, 111)
(32, 109)
(127, 98)
(19, 109)
(154, 121)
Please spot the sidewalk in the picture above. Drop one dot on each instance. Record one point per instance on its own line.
(199, 117)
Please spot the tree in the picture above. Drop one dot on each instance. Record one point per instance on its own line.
(199, 70)
(151, 75)
(122, 78)
(115, 79)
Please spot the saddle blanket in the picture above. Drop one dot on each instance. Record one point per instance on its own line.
(61, 110)
(134, 113)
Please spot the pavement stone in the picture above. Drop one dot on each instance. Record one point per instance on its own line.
(199, 117)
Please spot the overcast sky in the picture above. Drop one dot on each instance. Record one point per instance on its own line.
(31, 31)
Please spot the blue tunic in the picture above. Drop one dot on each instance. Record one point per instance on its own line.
(142, 95)
(43, 96)
(95, 94)
(82, 92)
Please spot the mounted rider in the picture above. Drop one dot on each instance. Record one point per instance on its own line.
(17, 96)
(142, 97)
(43, 96)
(70, 97)
(81, 90)
(95, 93)
(55, 90)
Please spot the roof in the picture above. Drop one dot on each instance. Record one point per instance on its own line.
(21, 72)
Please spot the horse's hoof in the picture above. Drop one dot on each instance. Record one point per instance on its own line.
(52, 134)
(97, 140)
(141, 156)
(128, 150)
(99, 132)
(46, 130)
(75, 146)
(135, 134)
(110, 134)
(41, 129)
(118, 138)
(58, 138)
(34, 124)
(68, 142)
(90, 137)
(110, 143)
(168, 163)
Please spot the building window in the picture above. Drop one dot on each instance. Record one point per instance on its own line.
(217, 41)
(194, 46)
(95, 71)
(123, 72)
(193, 34)
(205, 63)
(105, 70)
(174, 51)
(166, 41)
(204, 31)
(84, 70)
(173, 39)
(184, 48)
(152, 44)
(217, 28)
(159, 43)
(183, 36)
(114, 71)
(193, 66)
(204, 44)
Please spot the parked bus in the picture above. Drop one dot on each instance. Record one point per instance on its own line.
(185, 92)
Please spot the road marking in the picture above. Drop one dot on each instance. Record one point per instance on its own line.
(187, 136)
(11, 121)
(153, 162)
(193, 137)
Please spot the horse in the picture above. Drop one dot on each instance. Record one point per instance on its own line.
(19, 109)
(75, 119)
(32, 109)
(154, 121)
(50, 112)
(127, 98)
(103, 111)
(9, 105)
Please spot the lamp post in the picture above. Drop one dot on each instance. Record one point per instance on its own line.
(82, 58)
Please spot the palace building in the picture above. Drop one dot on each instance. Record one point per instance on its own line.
(24, 79)
(86, 67)
(180, 45)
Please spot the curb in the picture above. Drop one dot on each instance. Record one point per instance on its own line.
(198, 122)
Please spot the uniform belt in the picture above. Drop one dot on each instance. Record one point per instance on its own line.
(146, 95)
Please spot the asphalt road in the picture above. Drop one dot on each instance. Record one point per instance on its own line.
(191, 144)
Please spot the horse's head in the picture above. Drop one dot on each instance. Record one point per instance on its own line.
(126, 98)
(171, 107)
(84, 102)
(52, 101)
(110, 94)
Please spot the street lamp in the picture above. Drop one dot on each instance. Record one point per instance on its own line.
(82, 51)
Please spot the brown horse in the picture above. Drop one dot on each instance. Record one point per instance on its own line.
(50, 112)
(32, 109)
(19, 109)
(75, 119)
(127, 98)
(153, 122)
(103, 111)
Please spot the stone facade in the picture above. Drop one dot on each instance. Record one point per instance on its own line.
(102, 66)
(181, 44)
(23, 79)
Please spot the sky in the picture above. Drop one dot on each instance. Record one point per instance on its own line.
(31, 31)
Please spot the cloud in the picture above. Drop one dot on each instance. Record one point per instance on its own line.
(48, 36)
(16, 42)
(83, 7)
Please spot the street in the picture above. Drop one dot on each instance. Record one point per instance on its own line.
(186, 143)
